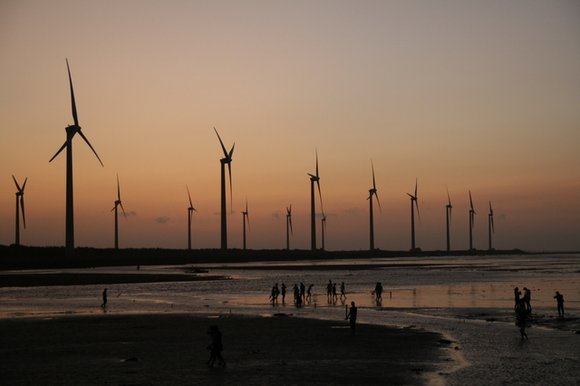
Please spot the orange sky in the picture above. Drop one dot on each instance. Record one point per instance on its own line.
(479, 96)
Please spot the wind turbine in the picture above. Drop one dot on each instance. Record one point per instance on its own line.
(448, 209)
(490, 227)
(288, 225)
(414, 204)
(472, 214)
(71, 130)
(372, 192)
(190, 211)
(115, 209)
(314, 179)
(245, 217)
(227, 160)
(19, 206)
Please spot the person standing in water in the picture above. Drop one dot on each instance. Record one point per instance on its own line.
(351, 316)
(104, 304)
(560, 302)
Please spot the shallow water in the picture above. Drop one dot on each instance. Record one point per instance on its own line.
(469, 299)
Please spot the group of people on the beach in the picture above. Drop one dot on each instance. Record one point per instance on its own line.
(303, 295)
(523, 308)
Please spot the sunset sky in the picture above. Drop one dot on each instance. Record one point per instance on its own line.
(464, 95)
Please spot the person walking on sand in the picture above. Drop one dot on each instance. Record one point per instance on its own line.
(302, 291)
(560, 302)
(104, 304)
(342, 291)
(334, 294)
(351, 316)
(216, 347)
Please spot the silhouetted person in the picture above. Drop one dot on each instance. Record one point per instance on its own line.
(297, 297)
(352, 317)
(216, 347)
(329, 291)
(517, 294)
(560, 302)
(527, 298)
(283, 288)
(378, 292)
(274, 294)
(522, 318)
(334, 294)
(309, 293)
(342, 291)
(302, 291)
(104, 304)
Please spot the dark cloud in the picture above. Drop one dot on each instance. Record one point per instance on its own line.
(162, 220)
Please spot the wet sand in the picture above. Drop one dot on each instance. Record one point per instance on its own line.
(171, 350)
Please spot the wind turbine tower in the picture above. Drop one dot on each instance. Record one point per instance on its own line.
(472, 214)
(448, 209)
(70, 133)
(245, 217)
(19, 207)
(323, 230)
(372, 192)
(414, 204)
(314, 179)
(490, 227)
(288, 225)
(190, 211)
(227, 160)
(118, 204)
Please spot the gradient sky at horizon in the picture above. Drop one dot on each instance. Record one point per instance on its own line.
(464, 95)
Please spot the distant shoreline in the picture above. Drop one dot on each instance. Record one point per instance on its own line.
(55, 257)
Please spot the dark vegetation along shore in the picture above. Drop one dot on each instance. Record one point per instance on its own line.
(171, 350)
(55, 257)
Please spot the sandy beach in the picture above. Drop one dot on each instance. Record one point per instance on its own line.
(171, 350)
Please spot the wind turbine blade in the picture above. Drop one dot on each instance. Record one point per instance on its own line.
(189, 196)
(290, 221)
(320, 195)
(415, 187)
(16, 182)
(118, 189)
(58, 152)
(490, 209)
(417, 206)
(448, 198)
(123, 209)
(22, 208)
(221, 143)
(378, 201)
(231, 153)
(72, 96)
(373, 169)
(317, 175)
(24, 184)
(91, 146)
(470, 201)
